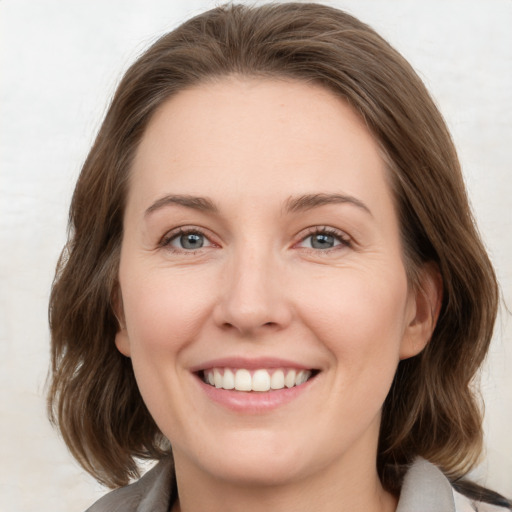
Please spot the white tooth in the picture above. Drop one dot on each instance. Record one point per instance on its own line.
(261, 380)
(243, 380)
(210, 378)
(302, 377)
(289, 381)
(277, 380)
(217, 378)
(229, 379)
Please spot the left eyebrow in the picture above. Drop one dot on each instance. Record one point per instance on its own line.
(309, 201)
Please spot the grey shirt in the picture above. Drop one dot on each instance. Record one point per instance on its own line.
(425, 489)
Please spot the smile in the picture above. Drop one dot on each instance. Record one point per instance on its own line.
(260, 380)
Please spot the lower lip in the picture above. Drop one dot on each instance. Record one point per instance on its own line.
(254, 402)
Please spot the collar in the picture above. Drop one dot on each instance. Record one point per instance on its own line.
(425, 489)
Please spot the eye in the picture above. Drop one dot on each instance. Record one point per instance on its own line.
(189, 240)
(324, 239)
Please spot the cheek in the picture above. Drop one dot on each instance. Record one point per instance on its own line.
(163, 312)
(163, 309)
(360, 315)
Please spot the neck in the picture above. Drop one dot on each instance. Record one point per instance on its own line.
(354, 489)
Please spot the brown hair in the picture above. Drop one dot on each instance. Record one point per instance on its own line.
(431, 409)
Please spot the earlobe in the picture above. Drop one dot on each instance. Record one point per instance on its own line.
(121, 340)
(427, 299)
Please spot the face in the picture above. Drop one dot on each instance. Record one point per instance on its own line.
(264, 298)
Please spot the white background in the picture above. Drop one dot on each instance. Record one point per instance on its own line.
(60, 62)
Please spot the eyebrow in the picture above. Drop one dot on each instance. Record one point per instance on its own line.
(310, 201)
(196, 203)
(293, 204)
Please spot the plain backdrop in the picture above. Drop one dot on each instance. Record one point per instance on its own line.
(60, 62)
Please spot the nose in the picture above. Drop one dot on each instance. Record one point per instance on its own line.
(253, 297)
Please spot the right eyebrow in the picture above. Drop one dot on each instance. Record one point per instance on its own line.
(194, 202)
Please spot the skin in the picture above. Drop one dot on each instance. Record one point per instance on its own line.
(258, 288)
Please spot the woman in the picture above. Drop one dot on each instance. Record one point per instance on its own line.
(280, 279)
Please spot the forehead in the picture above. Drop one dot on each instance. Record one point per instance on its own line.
(263, 137)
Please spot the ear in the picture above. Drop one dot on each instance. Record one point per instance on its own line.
(425, 305)
(121, 340)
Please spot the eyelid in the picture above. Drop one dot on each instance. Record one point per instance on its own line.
(172, 234)
(344, 239)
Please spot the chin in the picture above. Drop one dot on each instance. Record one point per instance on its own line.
(259, 471)
(252, 459)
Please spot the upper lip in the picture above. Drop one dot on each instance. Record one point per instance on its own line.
(249, 363)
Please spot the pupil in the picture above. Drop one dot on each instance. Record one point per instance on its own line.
(191, 241)
(322, 241)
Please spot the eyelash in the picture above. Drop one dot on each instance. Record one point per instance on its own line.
(343, 239)
(169, 237)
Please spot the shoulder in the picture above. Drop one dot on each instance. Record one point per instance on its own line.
(427, 489)
(151, 493)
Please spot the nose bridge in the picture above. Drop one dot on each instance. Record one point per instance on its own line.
(252, 297)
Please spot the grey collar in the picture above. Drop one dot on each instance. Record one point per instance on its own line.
(154, 492)
(425, 489)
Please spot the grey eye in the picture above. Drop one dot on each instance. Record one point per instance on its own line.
(322, 241)
(186, 240)
(191, 241)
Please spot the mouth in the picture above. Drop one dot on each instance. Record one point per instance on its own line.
(258, 380)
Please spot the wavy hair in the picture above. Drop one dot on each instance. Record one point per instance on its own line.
(431, 409)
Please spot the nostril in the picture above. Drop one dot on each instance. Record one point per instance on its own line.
(229, 325)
